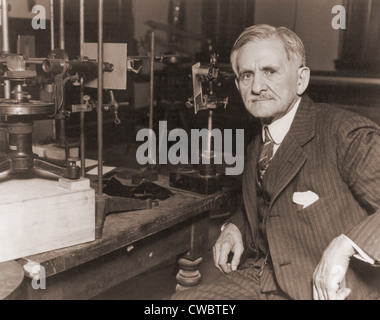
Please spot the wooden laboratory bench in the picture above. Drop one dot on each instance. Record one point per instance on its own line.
(132, 243)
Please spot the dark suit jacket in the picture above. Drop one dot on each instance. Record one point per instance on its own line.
(336, 154)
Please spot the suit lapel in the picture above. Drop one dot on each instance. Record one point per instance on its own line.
(290, 156)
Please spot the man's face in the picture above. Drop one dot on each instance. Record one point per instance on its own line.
(267, 79)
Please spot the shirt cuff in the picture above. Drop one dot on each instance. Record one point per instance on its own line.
(223, 226)
(361, 255)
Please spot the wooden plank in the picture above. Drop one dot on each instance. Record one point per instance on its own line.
(94, 277)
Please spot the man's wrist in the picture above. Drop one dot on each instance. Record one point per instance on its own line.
(224, 225)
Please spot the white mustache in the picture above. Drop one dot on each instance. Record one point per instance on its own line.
(261, 98)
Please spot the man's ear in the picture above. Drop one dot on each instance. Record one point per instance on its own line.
(303, 79)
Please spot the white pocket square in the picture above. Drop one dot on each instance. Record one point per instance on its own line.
(305, 198)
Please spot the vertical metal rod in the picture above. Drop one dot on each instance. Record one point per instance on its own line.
(217, 23)
(82, 122)
(5, 42)
(52, 39)
(366, 28)
(209, 132)
(5, 27)
(100, 98)
(81, 26)
(151, 100)
(52, 47)
(62, 24)
(61, 122)
(82, 134)
(151, 83)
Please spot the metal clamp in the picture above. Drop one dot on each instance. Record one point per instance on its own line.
(83, 107)
(131, 65)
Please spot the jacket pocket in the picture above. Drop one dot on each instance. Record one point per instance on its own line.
(322, 204)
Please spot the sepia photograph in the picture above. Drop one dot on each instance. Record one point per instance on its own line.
(187, 155)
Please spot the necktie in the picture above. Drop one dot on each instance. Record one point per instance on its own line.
(266, 154)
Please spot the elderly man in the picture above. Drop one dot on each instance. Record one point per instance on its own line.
(310, 223)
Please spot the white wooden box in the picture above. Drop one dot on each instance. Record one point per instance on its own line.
(38, 215)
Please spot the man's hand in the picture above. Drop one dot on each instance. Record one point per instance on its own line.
(230, 240)
(331, 271)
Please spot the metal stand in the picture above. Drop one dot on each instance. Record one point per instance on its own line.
(20, 157)
(18, 110)
(204, 179)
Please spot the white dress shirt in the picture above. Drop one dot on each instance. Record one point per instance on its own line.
(279, 128)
